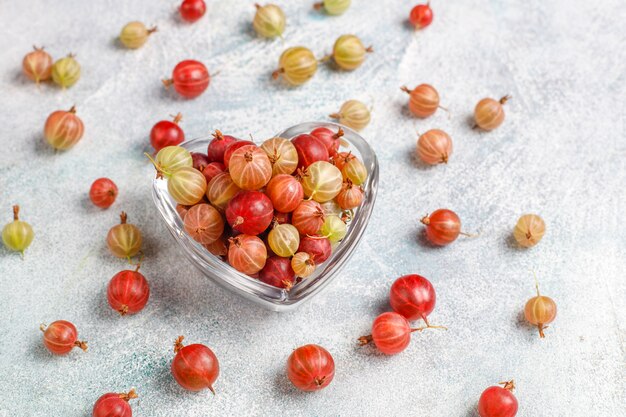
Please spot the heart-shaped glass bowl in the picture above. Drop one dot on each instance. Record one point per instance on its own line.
(268, 296)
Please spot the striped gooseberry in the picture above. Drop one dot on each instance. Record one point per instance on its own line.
(285, 192)
(37, 65)
(218, 145)
(114, 405)
(349, 52)
(190, 78)
(309, 149)
(413, 296)
(66, 71)
(103, 192)
(498, 401)
(331, 208)
(308, 217)
(355, 171)
(250, 168)
(230, 149)
(195, 367)
(182, 210)
(421, 16)
(204, 223)
(128, 292)
(434, 147)
(282, 218)
(296, 65)
(303, 264)
(321, 181)
(218, 248)
(192, 10)
(221, 189)
(60, 337)
(334, 229)
(330, 139)
(63, 129)
(333, 7)
(209, 169)
(17, 235)
(247, 254)
(529, 230)
(278, 273)
(187, 186)
(342, 158)
(353, 114)
(172, 158)
(249, 212)
(269, 21)
(310, 368)
(350, 196)
(167, 133)
(539, 311)
(442, 227)
(489, 113)
(282, 154)
(124, 240)
(318, 247)
(284, 239)
(423, 100)
(135, 34)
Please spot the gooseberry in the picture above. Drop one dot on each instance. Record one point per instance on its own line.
(230, 149)
(498, 401)
(192, 10)
(212, 170)
(278, 273)
(186, 184)
(182, 210)
(349, 52)
(329, 138)
(391, 333)
(167, 133)
(539, 311)
(103, 192)
(37, 65)
(529, 230)
(353, 114)
(334, 229)
(285, 192)
(218, 146)
(247, 254)
(333, 7)
(342, 158)
(350, 196)
(282, 154)
(318, 247)
(284, 239)
(269, 21)
(135, 34)
(204, 223)
(331, 208)
(128, 292)
(297, 65)
(489, 113)
(249, 212)
(66, 71)
(282, 218)
(221, 189)
(190, 78)
(63, 129)
(309, 149)
(172, 158)
(310, 368)
(124, 239)
(17, 235)
(423, 101)
(195, 367)
(250, 168)
(443, 226)
(421, 16)
(308, 217)
(321, 181)
(114, 405)
(302, 264)
(218, 248)
(355, 171)
(413, 296)
(60, 337)
(434, 147)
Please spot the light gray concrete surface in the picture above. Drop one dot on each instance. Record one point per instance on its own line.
(561, 153)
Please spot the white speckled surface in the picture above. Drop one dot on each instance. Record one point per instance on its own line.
(561, 153)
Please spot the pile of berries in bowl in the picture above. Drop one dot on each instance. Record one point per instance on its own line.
(273, 222)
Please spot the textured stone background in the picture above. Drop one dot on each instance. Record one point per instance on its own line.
(560, 153)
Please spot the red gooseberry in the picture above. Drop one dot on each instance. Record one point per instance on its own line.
(423, 101)
(282, 218)
(221, 189)
(195, 367)
(278, 272)
(434, 147)
(443, 226)
(60, 337)
(350, 196)
(114, 405)
(391, 333)
(167, 133)
(342, 158)
(249, 212)
(128, 292)
(204, 223)
(37, 65)
(247, 254)
(498, 401)
(250, 168)
(310, 368)
(230, 149)
(103, 192)
(63, 129)
(192, 10)
(318, 247)
(285, 192)
(308, 217)
(209, 169)
(218, 145)
(190, 78)
(310, 149)
(412, 296)
(329, 138)
(421, 16)
(218, 248)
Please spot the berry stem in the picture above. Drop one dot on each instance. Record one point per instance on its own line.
(335, 116)
(178, 344)
(277, 73)
(152, 30)
(72, 110)
(364, 340)
(81, 344)
(318, 5)
(16, 212)
(123, 217)
(506, 98)
(405, 89)
(129, 395)
(369, 49)
(508, 385)
(177, 118)
(167, 82)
